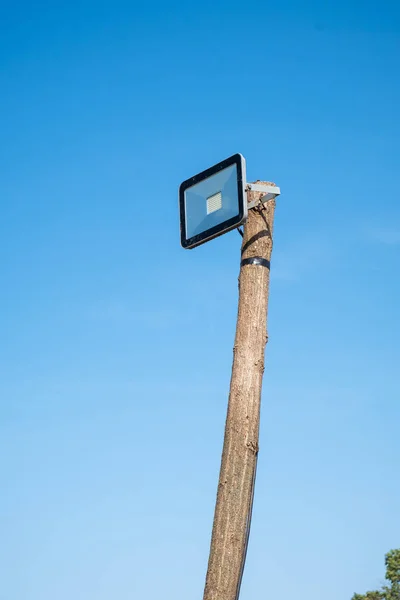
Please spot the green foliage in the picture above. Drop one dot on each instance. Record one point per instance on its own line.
(392, 562)
(369, 596)
(391, 591)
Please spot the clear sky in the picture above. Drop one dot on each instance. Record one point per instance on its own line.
(116, 344)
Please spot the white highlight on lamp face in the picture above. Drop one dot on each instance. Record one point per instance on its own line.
(214, 203)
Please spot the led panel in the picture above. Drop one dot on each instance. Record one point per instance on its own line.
(213, 202)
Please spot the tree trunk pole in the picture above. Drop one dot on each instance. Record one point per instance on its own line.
(239, 456)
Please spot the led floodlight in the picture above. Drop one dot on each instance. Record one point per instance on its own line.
(213, 202)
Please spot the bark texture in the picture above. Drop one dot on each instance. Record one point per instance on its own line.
(239, 456)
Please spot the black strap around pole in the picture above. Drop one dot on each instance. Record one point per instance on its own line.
(256, 260)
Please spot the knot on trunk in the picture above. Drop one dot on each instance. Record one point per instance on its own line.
(252, 446)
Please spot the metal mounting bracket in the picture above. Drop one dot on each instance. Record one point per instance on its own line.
(270, 192)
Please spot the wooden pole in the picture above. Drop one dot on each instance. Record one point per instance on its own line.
(239, 456)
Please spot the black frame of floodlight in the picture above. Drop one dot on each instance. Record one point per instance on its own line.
(225, 226)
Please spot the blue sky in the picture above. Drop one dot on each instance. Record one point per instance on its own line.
(117, 344)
